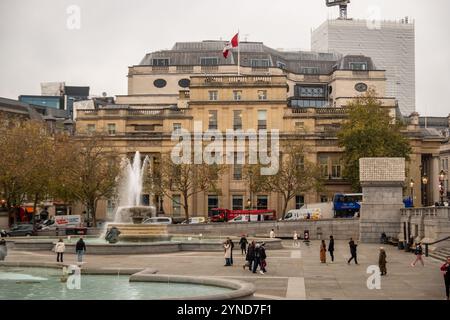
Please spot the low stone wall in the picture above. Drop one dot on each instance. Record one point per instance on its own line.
(341, 229)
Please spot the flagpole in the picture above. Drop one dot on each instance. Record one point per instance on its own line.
(239, 54)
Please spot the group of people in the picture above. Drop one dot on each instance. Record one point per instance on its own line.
(60, 248)
(255, 254)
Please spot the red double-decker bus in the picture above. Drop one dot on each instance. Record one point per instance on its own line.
(225, 215)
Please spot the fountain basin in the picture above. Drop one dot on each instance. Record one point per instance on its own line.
(141, 232)
(112, 284)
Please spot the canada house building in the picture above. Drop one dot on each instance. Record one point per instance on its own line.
(303, 94)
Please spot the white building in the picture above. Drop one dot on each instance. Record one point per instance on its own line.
(390, 44)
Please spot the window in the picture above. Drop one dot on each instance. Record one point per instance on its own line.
(323, 163)
(358, 66)
(299, 125)
(176, 126)
(238, 202)
(237, 95)
(262, 119)
(237, 119)
(312, 70)
(176, 205)
(111, 128)
(336, 168)
(301, 163)
(310, 91)
(160, 83)
(213, 95)
(262, 94)
(91, 128)
(299, 201)
(211, 61)
(144, 127)
(237, 167)
(260, 63)
(281, 65)
(323, 198)
(160, 62)
(262, 202)
(213, 202)
(212, 124)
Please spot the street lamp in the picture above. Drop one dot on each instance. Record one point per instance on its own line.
(411, 185)
(424, 183)
(441, 185)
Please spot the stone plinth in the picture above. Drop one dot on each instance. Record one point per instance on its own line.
(382, 184)
(141, 232)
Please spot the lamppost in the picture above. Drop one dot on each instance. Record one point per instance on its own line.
(249, 206)
(411, 185)
(441, 186)
(424, 192)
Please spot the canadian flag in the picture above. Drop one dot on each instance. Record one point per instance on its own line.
(230, 45)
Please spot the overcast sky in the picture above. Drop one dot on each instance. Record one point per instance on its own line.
(37, 46)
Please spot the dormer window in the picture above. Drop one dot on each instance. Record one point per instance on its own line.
(160, 62)
(260, 63)
(209, 61)
(358, 66)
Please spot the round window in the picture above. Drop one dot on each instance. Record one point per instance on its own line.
(361, 87)
(184, 83)
(160, 83)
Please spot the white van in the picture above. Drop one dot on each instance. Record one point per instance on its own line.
(158, 220)
(247, 218)
(195, 220)
(300, 214)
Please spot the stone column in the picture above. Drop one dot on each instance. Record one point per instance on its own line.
(434, 179)
(382, 182)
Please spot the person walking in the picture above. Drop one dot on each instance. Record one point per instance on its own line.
(272, 234)
(418, 251)
(80, 249)
(445, 268)
(296, 243)
(257, 259)
(227, 251)
(323, 252)
(382, 261)
(331, 248)
(243, 243)
(232, 247)
(60, 247)
(262, 257)
(250, 257)
(3, 249)
(352, 246)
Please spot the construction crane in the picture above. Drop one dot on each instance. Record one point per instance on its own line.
(342, 7)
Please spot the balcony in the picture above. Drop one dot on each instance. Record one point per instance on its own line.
(127, 112)
(310, 112)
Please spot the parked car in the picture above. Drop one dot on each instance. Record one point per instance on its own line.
(158, 220)
(21, 230)
(195, 220)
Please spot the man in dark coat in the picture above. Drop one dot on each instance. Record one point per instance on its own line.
(331, 248)
(352, 246)
(250, 256)
(243, 243)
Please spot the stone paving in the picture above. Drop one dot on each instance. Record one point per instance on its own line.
(293, 273)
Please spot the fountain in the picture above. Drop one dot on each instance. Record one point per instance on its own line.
(130, 212)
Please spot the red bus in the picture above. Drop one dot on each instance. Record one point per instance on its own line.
(225, 215)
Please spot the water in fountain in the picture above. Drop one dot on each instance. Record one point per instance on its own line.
(130, 191)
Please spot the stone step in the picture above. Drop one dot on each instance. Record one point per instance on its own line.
(438, 256)
(444, 250)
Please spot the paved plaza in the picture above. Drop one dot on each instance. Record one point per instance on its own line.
(293, 273)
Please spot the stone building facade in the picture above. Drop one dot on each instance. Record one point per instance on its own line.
(302, 94)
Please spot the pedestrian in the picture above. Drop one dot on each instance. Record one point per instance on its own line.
(296, 243)
(446, 272)
(418, 251)
(352, 246)
(227, 251)
(382, 261)
(3, 249)
(232, 247)
(243, 243)
(60, 247)
(331, 248)
(257, 259)
(323, 252)
(80, 249)
(262, 257)
(272, 234)
(250, 257)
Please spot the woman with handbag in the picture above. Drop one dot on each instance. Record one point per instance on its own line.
(60, 247)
